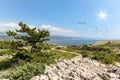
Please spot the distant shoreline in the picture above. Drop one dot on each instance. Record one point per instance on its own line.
(107, 41)
(65, 42)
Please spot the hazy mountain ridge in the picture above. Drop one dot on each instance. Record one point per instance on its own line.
(64, 37)
(3, 36)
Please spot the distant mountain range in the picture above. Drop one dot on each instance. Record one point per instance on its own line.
(60, 40)
(58, 37)
(3, 36)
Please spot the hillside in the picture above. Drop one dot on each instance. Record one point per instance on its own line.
(58, 37)
(55, 62)
(86, 68)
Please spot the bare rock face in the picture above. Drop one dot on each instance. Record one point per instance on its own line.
(80, 69)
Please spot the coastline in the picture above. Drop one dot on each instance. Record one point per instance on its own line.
(107, 41)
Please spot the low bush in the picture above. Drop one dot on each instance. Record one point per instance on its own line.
(104, 58)
(117, 57)
(87, 54)
(4, 44)
(43, 57)
(5, 52)
(4, 64)
(2, 53)
(23, 55)
(26, 71)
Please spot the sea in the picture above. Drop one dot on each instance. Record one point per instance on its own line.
(60, 40)
(73, 41)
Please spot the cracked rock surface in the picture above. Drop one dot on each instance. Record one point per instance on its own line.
(79, 68)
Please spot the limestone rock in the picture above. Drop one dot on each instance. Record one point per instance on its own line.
(80, 68)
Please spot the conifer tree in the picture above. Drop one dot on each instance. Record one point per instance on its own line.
(31, 36)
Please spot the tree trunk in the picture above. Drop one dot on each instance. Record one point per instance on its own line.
(32, 47)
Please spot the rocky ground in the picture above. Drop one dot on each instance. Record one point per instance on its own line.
(80, 68)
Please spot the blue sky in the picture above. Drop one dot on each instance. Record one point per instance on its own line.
(98, 19)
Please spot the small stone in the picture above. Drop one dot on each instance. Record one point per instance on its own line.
(43, 77)
(54, 78)
(112, 75)
(35, 78)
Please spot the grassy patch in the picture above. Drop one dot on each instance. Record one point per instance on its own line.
(65, 55)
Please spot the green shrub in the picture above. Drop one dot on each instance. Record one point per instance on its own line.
(104, 58)
(4, 44)
(27, 71)
(86, 54)
(44, 57)
(117, 57)
(23, 55)
(2, 53)
(108, 60)
(5, 52)
(4, 64)
(93, 48)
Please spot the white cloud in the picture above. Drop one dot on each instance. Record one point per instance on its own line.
(53, 30)
(58, 31)
(102, 15)
(8, 26)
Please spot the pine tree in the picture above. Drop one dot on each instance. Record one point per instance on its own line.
(31, 36)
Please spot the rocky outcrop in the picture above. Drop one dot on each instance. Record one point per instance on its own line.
(80, 68)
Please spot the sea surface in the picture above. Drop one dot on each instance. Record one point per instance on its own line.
(60, 40)
(73, 42)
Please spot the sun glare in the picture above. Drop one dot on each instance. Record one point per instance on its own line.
(102, 15)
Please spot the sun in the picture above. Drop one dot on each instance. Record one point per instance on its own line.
(102, 15)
